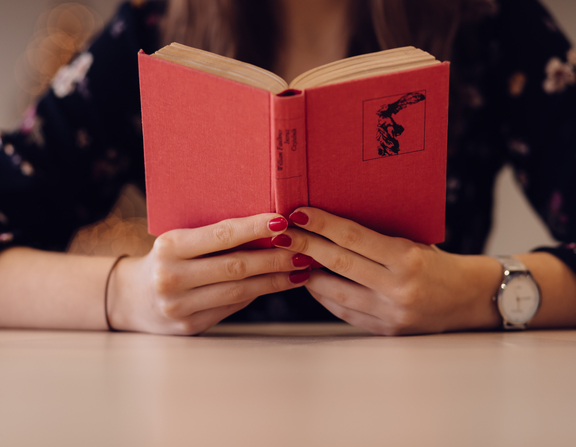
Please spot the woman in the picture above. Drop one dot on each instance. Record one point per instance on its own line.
(65, 167)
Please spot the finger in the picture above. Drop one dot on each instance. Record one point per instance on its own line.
(340, 260)
(356, 305)
(232, 292)
(348, 294)
(350, 235)
(236, 266)
(224, 235)
(207, 318)
(200, 322)
(355, 318)
(335, 294)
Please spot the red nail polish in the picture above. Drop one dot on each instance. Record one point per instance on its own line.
(301, 260)
(282, 240)
(299, 218)
(278, 224)
(298, 277)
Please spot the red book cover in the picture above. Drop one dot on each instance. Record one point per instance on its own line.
(372, 150)
(206, 146)
(377, 151)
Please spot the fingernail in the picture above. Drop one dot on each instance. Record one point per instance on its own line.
(282, 240)
(301, 260)
(278, 224)
(298, 277)
(298, 217)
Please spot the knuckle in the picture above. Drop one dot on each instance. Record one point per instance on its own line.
(277, 283)
(405, 317)
(187, 327)
(413, 260)
(164, 245)
(167, 307)
(164, 280)
(256, 228)
(236, 268)
(277, 263)
(318, 224)
(223, 232)
(236, 293)
(404, 323)
(342, 297)
(376, 326)
(341, 263)
(409, 296)
(304, 245)
(351, 236)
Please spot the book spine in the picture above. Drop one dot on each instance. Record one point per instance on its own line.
(288, 145)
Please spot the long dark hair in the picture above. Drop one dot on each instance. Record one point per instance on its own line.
(247, 29)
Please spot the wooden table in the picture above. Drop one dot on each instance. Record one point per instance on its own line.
(287, 385)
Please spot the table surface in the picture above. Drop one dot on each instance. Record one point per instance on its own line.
(287, 385)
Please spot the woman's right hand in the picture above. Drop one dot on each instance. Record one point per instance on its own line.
(178, 289)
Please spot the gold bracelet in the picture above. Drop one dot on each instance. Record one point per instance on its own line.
(118, 259)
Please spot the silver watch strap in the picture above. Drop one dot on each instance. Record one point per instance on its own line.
(511, 264)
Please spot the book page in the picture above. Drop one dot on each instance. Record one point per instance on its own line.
(357, 67)
(365, 65)
(222, 66)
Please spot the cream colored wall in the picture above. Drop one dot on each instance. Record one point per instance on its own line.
(516, 228)
(17, 25)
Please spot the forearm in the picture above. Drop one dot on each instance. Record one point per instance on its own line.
(52, 290)
(558, 287)
(556, 281)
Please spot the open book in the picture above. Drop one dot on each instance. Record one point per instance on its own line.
(363, 138)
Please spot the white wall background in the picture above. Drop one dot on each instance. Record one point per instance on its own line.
(516, 228)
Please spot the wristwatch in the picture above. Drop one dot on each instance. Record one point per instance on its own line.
(518, 297)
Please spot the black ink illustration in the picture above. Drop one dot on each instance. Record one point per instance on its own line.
(388, 129)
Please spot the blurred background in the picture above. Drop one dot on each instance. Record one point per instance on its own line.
(37, 36)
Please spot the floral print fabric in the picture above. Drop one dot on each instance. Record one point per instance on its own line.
(513, 101)
(82, 142)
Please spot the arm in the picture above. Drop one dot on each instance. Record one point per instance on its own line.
(80, 144)
(394, 286)
(558, 286)
(175, 289)
(55, 176)
(65, 168)
(52, 290)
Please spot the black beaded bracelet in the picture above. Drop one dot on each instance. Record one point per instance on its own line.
(118, 259)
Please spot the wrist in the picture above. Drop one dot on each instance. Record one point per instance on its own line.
(480, 278)
(121, 291)
(106, 287)
(557, 284)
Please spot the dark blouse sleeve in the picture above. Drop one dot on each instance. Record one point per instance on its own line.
(538, 111)
(82, 141)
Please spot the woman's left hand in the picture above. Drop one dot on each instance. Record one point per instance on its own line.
(393, 286)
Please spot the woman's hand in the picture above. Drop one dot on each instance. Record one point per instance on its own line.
(178, 289)
(393, 286)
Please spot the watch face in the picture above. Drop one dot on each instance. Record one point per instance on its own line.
(519, 299)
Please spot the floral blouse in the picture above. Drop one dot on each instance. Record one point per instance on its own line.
(516, 104)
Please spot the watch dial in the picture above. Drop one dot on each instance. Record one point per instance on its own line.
(520, 299)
